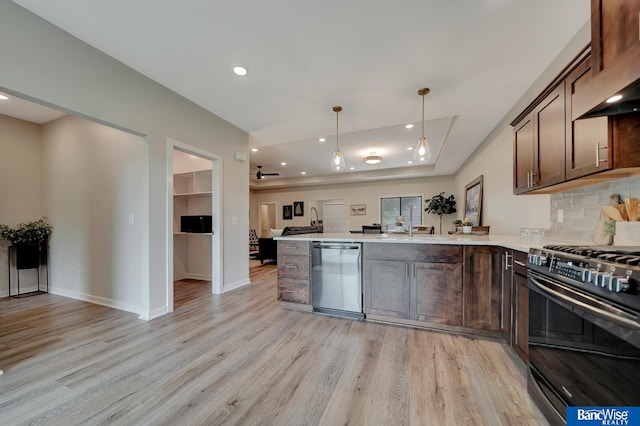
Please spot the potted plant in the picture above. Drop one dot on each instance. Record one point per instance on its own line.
(28, 239)
(441, 205)
(467, 226)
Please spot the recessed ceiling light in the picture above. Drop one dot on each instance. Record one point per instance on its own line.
(409, 162)
(352, 168)
(303, 173)
(409, 126)
(283, 164)
(410, 148)
(3, 98)
(238, 70)
(322, 139)
(614, 98)
(254, 149)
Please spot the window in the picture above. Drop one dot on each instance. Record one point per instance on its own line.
(392, 207)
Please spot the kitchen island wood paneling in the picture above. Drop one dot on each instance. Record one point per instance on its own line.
(451, 283)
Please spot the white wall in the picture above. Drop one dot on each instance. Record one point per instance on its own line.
(20, 180)
(43, 63)
(95, 184)
(368, 193)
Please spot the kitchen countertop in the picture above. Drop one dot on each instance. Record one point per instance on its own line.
(514, 242)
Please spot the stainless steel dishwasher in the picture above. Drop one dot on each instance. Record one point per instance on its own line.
(336, 284)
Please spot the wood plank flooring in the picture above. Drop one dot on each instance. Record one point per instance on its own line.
(240, 359)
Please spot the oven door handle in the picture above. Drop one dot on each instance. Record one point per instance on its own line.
(593, 306)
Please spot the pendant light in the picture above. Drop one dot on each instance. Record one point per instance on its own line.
(337, 162)
(422, 152)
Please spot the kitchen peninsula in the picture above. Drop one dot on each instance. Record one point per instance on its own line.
(459, 283)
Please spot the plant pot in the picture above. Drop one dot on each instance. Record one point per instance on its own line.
(467, 229)
(27, 257)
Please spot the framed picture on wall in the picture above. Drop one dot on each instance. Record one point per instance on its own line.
(358, 209)
(473, 201)
(298, 208)
(287, 212)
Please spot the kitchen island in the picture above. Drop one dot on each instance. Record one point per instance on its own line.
(460, 283)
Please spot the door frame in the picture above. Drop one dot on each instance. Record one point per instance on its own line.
(217, 255)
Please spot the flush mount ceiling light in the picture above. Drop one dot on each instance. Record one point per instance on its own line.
(408, 126)
(337, 162)
(422, 153)
(373, 159)
(238, 70)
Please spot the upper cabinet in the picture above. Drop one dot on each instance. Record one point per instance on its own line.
(553, 148)
(615, 44)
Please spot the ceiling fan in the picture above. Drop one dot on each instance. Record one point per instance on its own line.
(260, 174)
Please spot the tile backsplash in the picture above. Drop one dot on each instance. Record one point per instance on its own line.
(581, 208)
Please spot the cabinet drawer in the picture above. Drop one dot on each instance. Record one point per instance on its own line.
(430, 253)
(293, 290)
(293, 266)
(519, 262)
(293, 248)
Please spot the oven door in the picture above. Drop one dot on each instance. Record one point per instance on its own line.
(583, 351)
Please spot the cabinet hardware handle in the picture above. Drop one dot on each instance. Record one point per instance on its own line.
(406, 270)
(528, 179)
(517, 262)
(292, 247)
(291, 266)
(598, 160)
(506, 260)
(533, 183)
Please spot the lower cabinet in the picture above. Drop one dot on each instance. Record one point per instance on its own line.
(293, 272)
(426, 286)
(481, 288)
(520, 307)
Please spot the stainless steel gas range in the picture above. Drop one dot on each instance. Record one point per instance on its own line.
(584, 327)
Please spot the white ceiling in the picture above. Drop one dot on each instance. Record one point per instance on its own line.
(478, 57)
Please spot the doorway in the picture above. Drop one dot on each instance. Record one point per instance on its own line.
(194, 191)
(267, 218)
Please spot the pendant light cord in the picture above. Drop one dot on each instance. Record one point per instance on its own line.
(337, 109)
(423, 116)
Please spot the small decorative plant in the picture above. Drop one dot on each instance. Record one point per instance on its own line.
(441, 205)
(27, 234)
(467, 222)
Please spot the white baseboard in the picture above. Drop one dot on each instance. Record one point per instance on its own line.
(103, 301)
(199, 277)
(154, 313)
(235, 285)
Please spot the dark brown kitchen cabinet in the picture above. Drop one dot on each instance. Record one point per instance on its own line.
(506, 285)
(387, 288)
(413, 282)
(438, 293)
(540, 144)
(520, 307)
(588, 146)
(293, 272)
(615, 48)
(481, 288)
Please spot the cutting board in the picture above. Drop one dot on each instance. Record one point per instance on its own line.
(601, 238)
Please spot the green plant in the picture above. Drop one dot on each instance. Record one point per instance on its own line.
(441, 205)
(27, 234)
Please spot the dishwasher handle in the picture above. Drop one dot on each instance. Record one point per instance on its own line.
(336, 246)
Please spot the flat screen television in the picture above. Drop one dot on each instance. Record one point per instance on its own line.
(196, 224)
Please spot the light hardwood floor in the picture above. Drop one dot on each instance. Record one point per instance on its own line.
(241, 359)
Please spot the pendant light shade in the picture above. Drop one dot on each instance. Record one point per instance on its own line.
(422, 152)
(337, 162)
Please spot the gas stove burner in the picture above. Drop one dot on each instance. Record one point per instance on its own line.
(627, 255)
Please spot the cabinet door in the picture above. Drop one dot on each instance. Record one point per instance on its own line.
(506, 284)
(387, 288)
(438, 292)
(481, 289)
(520, 332)
(588, 140)
(293, 290)
(523, 155)
(549, 139)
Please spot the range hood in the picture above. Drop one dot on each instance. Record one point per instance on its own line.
(629, 102)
